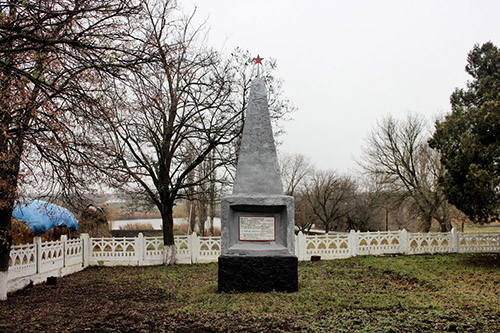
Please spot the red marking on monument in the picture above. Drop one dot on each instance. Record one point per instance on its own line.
(258, 60)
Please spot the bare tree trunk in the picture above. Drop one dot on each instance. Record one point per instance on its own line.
(5, 244)
(169, 255)
(192, 216)
(9, 172)
(444, 226)
(427, 225)
(386, 219)
(212, 188)
(168, 234)
(202, 215)
(211, 216)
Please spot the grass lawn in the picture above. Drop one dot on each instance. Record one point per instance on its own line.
(373, 294)
(481, 228)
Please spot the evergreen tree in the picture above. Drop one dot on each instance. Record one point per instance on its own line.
(469, 139)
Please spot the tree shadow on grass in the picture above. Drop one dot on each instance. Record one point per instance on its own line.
(490, 260)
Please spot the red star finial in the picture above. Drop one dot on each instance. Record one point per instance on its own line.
(258, 60)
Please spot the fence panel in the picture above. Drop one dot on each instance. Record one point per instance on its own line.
(73, 252)
(478, 242)
(432, 242)
(153, 252)
(386, 242)
(209, 249)
(328, 246)
(113, 251)
(22, 261)
(182, 254)
(51, 256)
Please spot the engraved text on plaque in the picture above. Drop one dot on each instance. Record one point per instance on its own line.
(257, 228)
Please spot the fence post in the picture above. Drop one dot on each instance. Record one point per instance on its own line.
(404, 244)
(86, 249)
(64, 241)
(455, 241)
(194, 247)
(38, 251)
(498, 242)
(140, 249)
(301, 246)
(353, 243)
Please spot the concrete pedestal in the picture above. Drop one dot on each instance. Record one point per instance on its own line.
(258, 273)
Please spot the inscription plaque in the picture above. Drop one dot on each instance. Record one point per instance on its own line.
(257, 228)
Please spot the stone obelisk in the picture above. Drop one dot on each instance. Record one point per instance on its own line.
(258, 240)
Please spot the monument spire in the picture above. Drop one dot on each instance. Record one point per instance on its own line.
(257, 220)
(257, 171)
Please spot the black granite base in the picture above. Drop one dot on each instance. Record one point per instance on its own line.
(262, 273)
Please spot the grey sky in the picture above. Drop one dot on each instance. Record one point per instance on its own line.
(347, 64)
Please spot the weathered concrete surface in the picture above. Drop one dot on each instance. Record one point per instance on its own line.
(257, 171)
(279, 206)
(258, 190)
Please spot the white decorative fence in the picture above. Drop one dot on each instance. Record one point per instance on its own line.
(33, 263)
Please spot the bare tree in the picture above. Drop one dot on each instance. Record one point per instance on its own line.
(365, 206)
(398, 153)
(213, 193)
(50, 53)
(169, 115)
(294, 171)
(304, 216)
(202, 192)
(203, 196)
(327, 195)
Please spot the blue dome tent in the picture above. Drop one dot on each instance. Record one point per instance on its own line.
(42, 216)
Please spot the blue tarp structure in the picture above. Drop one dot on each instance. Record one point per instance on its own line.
(42, 216)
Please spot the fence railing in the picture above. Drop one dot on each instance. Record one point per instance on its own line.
(33, 263)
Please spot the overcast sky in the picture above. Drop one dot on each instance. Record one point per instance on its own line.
(347, 64)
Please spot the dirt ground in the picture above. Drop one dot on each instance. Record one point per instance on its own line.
(85, 302)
